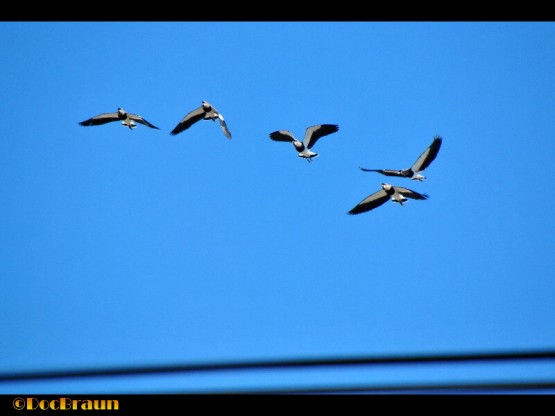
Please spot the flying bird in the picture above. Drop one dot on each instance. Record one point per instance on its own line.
(396, 194)
(205, 112)
(127, 119)
(420, 165)
(311, 136)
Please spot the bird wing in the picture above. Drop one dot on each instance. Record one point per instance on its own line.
(187, 121)
(409, 193)
(370, 202)
(427, 156)
(313, 133)
(387, 172)
(141, 120)
(223, 124)
(282, 136)
(100, 119)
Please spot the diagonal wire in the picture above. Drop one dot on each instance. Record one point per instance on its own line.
(281, 364)
(449, 388)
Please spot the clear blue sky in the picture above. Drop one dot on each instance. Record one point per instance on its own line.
(133, 247)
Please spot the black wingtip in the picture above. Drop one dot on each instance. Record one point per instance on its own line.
(368, 170)
(437, 142)
(354, 211)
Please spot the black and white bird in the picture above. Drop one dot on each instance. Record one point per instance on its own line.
(311, 136)
(420, 165)
(127, 119)
(205, 112)
(396, 194)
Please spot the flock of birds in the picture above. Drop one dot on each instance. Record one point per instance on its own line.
(387, 192)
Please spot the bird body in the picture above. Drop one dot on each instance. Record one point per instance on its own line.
(396, 194)
(419, 165)
(312, 134)
(205, 112)
(127, 119)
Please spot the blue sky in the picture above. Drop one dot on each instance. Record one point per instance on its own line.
(127, 247)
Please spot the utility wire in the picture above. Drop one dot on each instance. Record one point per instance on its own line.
(445, 388)
(281, 364)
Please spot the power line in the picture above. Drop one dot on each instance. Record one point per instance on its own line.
(281, 364)
(467, 387)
